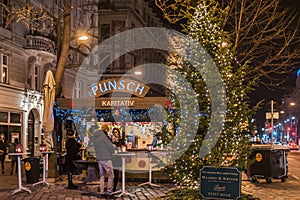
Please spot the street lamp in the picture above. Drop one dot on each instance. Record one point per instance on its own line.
(138, 73)
(83, 38)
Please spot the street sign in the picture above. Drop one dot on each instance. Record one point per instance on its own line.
(220, 183)
(275, 115)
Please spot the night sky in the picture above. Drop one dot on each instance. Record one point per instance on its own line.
(263, 93)
(275, 94)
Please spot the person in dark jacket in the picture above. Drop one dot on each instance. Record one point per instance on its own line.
(104, 150)
(73, 148)
(117, 140)
(2, 151)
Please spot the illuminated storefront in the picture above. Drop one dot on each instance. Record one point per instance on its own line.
(20, 116)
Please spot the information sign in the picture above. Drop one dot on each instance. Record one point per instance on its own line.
(220, 183)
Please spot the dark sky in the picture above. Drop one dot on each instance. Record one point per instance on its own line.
(275, 94)
(263, 92)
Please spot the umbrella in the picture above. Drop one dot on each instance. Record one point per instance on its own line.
(48, 118)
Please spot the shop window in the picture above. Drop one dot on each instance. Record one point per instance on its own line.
(4, 68)
(15, 118)
(10, 126)
(4, 117)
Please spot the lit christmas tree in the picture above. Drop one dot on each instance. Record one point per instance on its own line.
(232, 147)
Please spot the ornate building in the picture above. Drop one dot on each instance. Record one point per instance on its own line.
(27, 53)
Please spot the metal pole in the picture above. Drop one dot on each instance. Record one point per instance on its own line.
(272, 121)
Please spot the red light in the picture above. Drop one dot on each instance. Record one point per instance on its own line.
(293, 133)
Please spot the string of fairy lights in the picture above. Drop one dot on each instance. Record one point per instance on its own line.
(205, 28)
(109, 115)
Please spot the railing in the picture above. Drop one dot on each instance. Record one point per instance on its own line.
(40, 43)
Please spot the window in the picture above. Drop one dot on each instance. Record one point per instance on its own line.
(4, 68)
(3, 117)
(4, 13)
(104, 4)
(104, 31)
(15, 118)
(77, 89)
(36, 78)
(10, 125)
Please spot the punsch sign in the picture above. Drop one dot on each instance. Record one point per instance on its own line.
(118, 85)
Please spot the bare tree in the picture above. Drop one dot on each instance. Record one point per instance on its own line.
(39, 19)
(261, 31)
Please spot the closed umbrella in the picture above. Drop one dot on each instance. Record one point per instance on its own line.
(48, 117)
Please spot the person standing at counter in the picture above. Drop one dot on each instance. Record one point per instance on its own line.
(2, 151)
(117, 140)
(104, 149)
(73, 148)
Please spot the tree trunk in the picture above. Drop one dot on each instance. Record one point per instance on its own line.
(62, 59)
(64, 48)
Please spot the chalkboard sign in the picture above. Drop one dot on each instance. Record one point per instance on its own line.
(220, 183)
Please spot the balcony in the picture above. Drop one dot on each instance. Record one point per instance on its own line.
(40, 43)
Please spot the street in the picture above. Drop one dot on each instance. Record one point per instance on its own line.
(294, 164)
(278, 190)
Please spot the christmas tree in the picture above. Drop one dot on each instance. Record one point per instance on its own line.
(231, 148)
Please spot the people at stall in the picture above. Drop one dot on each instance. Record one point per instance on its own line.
(117, 140)
(3, 150)
(104, 149)
(73, 149)
(12, 149)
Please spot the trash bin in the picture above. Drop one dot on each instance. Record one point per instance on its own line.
(268, 162)
(32, 169)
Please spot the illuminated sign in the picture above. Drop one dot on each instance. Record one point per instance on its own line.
(110, 103)
(118, 85)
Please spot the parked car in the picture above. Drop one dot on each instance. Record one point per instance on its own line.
(293, 146)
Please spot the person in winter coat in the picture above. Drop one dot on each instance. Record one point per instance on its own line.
(117, 140)
(3, 151)
(73, 148)
(104, 150)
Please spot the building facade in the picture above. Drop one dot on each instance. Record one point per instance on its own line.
(26, 54)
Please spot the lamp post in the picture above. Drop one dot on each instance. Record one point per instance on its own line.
(272, 115)
(292, 105)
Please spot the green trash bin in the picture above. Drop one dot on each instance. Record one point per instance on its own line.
(32, 169)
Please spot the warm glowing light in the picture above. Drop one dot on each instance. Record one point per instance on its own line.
(292, 104)
(138, 73)
(83, 38)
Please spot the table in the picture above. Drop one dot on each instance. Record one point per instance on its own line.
(123, 190)
(150, 172)
(19, 173)
(45, 166)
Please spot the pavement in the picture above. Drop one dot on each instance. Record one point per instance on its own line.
(58, 190)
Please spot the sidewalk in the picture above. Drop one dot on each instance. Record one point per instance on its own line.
(262, 190)
(59, 189)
